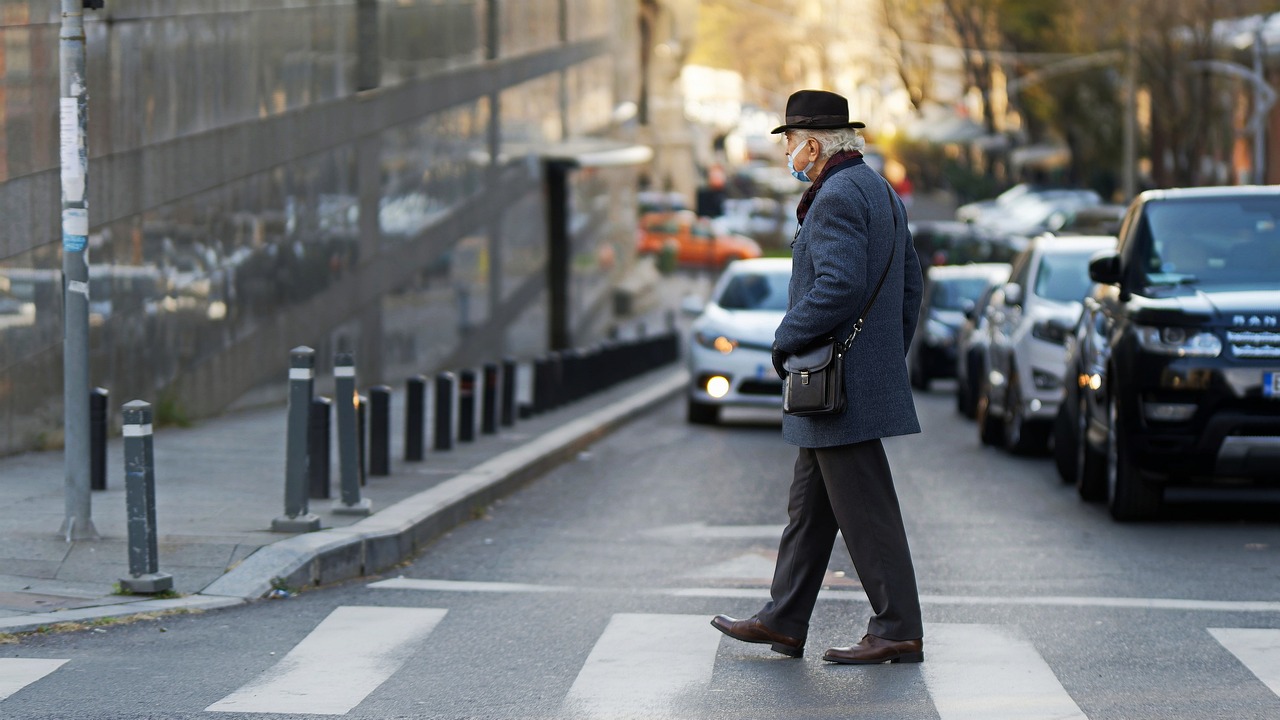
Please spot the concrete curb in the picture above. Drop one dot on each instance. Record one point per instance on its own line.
(391, 535)
(388, 537)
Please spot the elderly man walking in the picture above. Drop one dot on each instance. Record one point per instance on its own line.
(852, 239)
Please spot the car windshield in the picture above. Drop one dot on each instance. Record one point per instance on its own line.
(755, 291)
(956, 293)
(1064, 276)
(1215, 241)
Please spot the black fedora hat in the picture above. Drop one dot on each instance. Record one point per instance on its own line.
(816, 110)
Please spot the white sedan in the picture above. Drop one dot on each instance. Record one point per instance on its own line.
(730, 346)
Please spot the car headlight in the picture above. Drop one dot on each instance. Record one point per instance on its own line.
(1178, 341)
(715, 341)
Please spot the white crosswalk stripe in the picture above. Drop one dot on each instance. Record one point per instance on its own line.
(1258, 649)
(987, 672)
(346, 657)
(641, 663)
(17, 673)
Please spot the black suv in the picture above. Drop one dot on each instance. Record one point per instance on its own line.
(1176, 371)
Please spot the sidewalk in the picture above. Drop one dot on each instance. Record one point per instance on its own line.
(220, 484)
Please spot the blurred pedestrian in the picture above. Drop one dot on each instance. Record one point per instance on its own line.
(852, 227)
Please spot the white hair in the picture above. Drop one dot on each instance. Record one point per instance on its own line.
(833, 141)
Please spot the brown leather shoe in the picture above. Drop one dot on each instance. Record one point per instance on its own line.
(753, 631)
(872, 650)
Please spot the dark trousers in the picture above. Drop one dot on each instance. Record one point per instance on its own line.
(847, 488)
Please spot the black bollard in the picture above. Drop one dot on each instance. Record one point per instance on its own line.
(508, 392)
(444, 411)
(297, 516)
(350, 470)
(380, 430)
(318, 432)
(140, 499)
(467, 406)
(415, 418)
(489, 412)
(362, 437)
(98, 423)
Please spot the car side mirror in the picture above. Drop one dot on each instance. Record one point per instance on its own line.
(692, 305)
(1105, 268)
(1012, 294)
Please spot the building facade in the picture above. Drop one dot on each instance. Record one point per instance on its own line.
(351, 175)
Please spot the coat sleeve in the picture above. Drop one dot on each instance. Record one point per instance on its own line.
(912, 289)
(836, 239)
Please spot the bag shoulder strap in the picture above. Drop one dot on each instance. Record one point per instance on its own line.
(857, 326)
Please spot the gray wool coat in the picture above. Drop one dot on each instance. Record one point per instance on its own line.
(837, 258)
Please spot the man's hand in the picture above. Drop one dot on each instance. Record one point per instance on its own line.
(780, 357)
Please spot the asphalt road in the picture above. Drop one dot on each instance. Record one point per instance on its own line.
(587, 595)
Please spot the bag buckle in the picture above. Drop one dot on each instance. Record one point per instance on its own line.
(804, 377)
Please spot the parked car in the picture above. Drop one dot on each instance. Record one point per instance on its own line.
(1028, 324)
(1179, 384)
(950, 291)
(696, 242)
(971, 347)
(950, 242)
(731, 341)
(975, 211)
(1039, 212)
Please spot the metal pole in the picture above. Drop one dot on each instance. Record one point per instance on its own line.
(140, 499)
(1259, 114)
(74, 160)
(508, 392)
(349, 469)
(467, 406)
(297, 516)
(1129, 168)
(489, 411)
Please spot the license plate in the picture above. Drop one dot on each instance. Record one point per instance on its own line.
(1271, 385)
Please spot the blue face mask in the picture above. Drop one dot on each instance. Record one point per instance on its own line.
(801, 175)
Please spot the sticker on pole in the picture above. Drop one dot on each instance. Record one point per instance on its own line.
(75, 229)
(1271, 385)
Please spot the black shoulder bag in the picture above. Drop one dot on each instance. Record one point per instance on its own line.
(815, 377)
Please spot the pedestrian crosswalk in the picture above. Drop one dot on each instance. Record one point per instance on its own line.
(653, 666)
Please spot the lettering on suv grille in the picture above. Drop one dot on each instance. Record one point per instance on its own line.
(1254, 344)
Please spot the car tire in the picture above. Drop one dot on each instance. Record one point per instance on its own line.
(972, 386)
(1021, 436)
(990, 428)
(703, 413)
(1129, 497)
(919, 377)
(1090, 465)
(1064, 441)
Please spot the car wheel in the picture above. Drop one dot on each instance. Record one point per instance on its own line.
(919, 376)
(1064, 442)
(972, 386)
(703, 413)
(990, 429)
(1128, 496)
(1021, 436)
(1091, 465)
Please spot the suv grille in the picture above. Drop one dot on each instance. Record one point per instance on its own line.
(1255, 344)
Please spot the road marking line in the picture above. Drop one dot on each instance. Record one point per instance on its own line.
(985, 672)
(464, 586)
(762, 593)
(17, 673)
(1258, 649)
(335, 667)
(641, 664)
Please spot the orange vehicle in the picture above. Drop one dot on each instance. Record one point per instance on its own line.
(696, 240)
